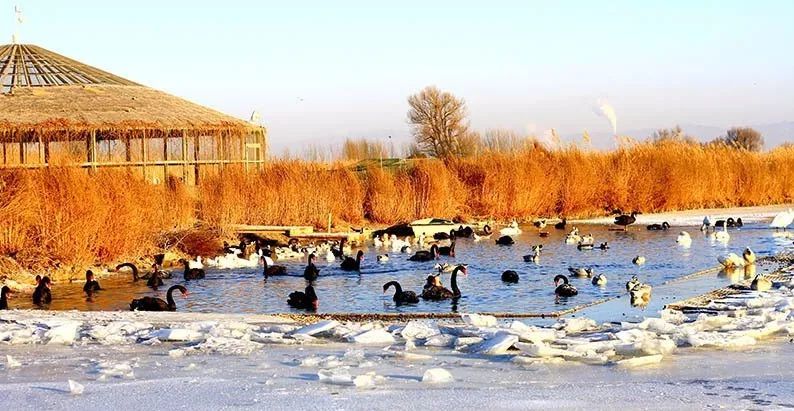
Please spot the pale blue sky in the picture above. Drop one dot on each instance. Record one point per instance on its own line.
(322, 71)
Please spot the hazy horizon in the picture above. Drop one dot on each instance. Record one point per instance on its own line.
(318, 73)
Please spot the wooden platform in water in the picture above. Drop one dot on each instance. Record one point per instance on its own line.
(301, 232)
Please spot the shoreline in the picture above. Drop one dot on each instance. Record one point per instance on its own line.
(694, 217)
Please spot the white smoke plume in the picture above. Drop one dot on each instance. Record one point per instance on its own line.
(604, 109)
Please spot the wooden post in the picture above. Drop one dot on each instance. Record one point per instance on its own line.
(127, 149)
(165, 157)
(329, 223)
(196, 156)
(22, 154)
(184, 157)
(144, 153)
(91, 146)
(46, 152)
(221, 150)
(5, 158)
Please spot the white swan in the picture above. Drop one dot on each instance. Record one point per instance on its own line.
(329, 256)
(197, 264)
(478, 238)
(684, 239)
(377, 242)
(511, 229)
(721, 236)
(782, 220)
(731, 260)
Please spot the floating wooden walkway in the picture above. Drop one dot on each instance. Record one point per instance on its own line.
(302, 232)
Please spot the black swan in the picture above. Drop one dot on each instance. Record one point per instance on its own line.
(626, 220)
(424, 255)
(5, 294)
(400, 296)
(311, 272)
(658, 227)
(155, 279)
(449, 251)
(719, 224)
(272, 270)
(739, 222)
(192, 273)
(437, 292)
(91, 285)
(561, 225)
(42, 294)
(564, 289)
(353, 264)
(304, 300)
(339, 251)
(132, 267)
(505, 240)
(510, 276)
(157, 304)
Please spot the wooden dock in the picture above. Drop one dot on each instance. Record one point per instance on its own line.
(302, 232)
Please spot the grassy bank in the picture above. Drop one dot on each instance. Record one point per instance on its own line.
(65, 217)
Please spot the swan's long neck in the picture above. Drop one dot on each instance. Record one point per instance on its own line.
(454, 281)
(398, 289)
(169, 297)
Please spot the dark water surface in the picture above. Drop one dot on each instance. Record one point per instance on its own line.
(244, 291)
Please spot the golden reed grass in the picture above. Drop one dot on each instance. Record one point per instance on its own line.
(68, 217)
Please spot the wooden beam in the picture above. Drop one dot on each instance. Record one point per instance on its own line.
(22, 153)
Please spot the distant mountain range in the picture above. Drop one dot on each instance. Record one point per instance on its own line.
(774, 134)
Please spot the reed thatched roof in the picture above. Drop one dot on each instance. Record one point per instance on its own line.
(49, 96)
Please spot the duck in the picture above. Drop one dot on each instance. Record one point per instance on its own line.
(633, 282)
(311, 272)
(505, 240)
(42, 294)
(535, 256)
(382, 258)
(731, 260)
(706, 223)
(604, 246)
(638, 260)
(510, 276)
(157, 304)
(599, 280)
(684, 239)
(782, 220)
(626, 220)
(540, 224)
(397, 244)
(573, 237)
(5, 295)
(377, 241)
(640, 294)
(564, 289)
(91, 285)
(425, 255)
(304, 300)
(749, 256)
(730, 222)
(406, 249)
(330, 256)
(561, 225)
(444, 267)
(659, 227)
(761, 283)
(448, 251)
(587, 239)
(353, 264)
(400, 296)
(272, 270)
(585, 246)
(581, 272)
(719, 224)
(435, 291)
(192, 273)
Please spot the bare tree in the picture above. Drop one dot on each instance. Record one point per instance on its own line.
(675, 134)
(743, 138)
(439, 123)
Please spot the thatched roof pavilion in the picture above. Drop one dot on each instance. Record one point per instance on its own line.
(56, 107)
